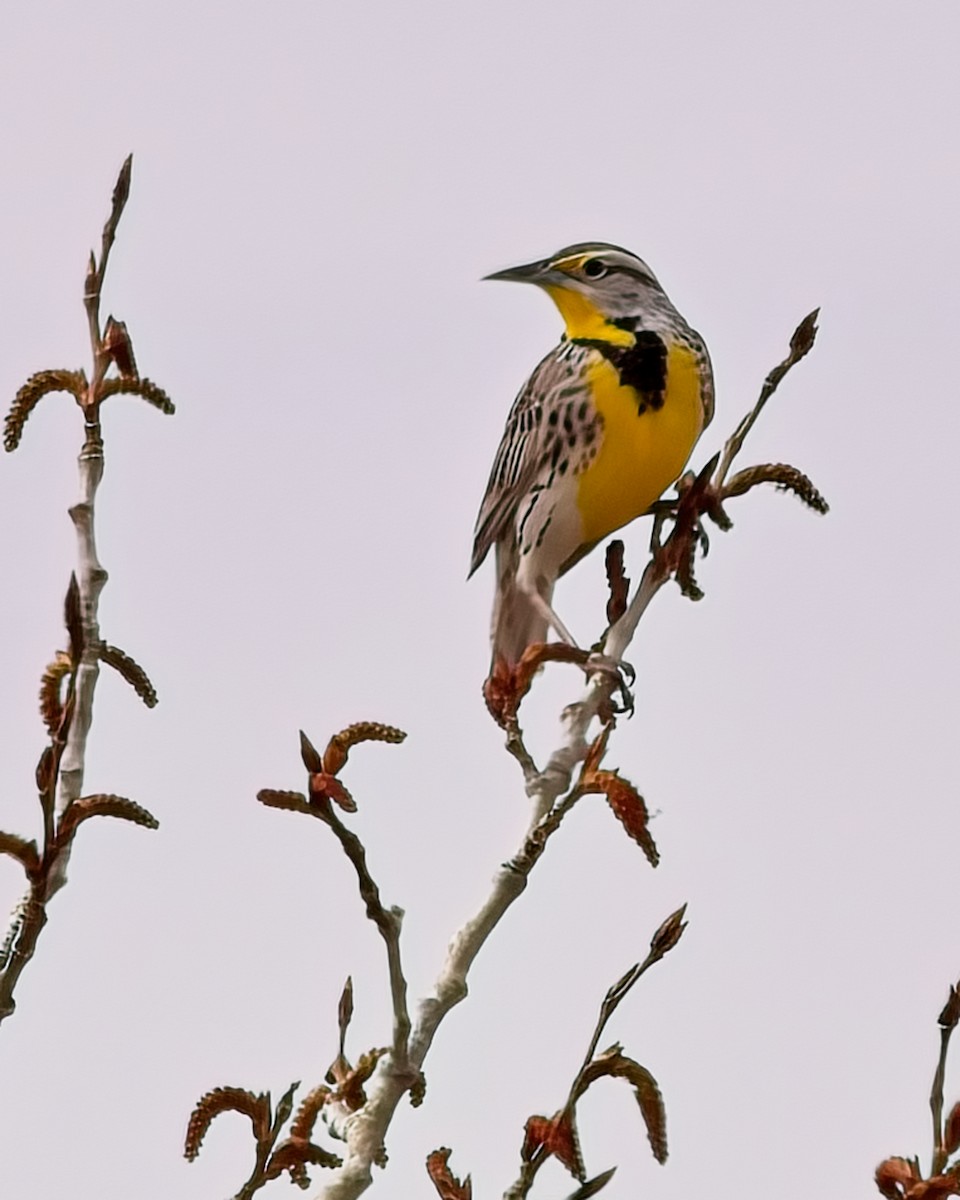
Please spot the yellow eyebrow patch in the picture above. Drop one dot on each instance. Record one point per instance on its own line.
(573, 262)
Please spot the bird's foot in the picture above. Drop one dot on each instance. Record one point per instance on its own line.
(622, 678)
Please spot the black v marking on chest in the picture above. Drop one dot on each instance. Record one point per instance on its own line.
(642, 366)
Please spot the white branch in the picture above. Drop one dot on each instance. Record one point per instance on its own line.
(364, 1131)
(91, 578)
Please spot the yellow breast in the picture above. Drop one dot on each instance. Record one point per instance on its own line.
(641, 453)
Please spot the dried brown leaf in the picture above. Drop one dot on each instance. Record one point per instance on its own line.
(937, 1187)
(221, 1100)
(131, 671)
(951, 1130)
(950, 1015)
(146, 389)
(46, 771)
(310, 1105)
(628, 807)
(104, 805)
(418, 1090)
(592, 1186)
(617, 581)
(292, 801)
(669, 933)
(51, 704)
(686, 577)
(284, 1107)
(73, 619)
(339, 746)
(786, 479)
(32, 392)
(598, 747)
(447, 1184)
(293, 1155)
(369, 731)
(119, 348)
(557, 1136)
(339, 1070)
(24, 850)
(500, 693)
(893, 1177)
(325, 787)
(805, 334)
(350, 1091)
(121, 193)
(616, 1064)
(310, 755)
(345, 1010)
(90, 280)
(506, 686)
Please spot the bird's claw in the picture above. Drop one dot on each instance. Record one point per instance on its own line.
(622, 676)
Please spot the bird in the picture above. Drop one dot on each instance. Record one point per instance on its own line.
(603, 426)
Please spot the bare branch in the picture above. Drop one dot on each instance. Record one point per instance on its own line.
(323, 787)
(800, 346)
(69, 683)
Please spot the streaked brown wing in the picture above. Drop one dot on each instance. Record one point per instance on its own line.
(527, 442)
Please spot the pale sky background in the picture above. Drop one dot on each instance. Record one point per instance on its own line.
(317, 190)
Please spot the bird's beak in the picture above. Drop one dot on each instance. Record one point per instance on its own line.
(535, 272)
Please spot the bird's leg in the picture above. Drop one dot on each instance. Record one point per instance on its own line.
(621, 673)
(551, 618)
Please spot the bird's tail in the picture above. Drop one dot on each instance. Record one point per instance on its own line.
(517, 621)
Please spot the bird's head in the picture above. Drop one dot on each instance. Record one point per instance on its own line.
(594, 285)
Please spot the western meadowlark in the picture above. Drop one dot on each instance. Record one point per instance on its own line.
(601, 428)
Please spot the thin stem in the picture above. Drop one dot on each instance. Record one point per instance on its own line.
(389, 922)
(29, 920)
(30, 916)
(91, 575)
(936, 1103)
(800, 345)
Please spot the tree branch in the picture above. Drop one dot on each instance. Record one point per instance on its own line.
(60, 771)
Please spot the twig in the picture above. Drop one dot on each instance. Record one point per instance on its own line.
(800, 345)
(365, 1130)
(936, 1102)
(665, 938)
(948, 1020)
(265, 1144)
(900, 1178)
(389, 922)
(325, 790)
(91, 575)
(61, 769)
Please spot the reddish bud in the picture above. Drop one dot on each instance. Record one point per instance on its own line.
(950, 1015)
(447, 1184)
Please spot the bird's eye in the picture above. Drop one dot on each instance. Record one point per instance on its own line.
(594, 268)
